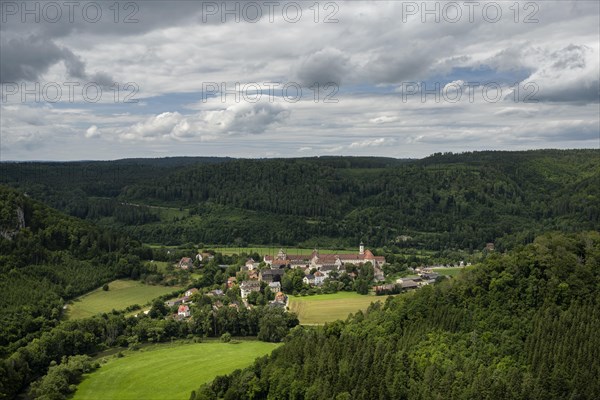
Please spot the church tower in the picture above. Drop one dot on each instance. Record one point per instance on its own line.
(361, 248)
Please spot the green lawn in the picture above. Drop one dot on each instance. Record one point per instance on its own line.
(319, 309)
(121, 293)
(167, 371)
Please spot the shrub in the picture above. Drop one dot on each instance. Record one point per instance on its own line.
(226, 337)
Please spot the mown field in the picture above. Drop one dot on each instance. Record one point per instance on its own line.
(167, 371)
(319, 309)
(121, 294)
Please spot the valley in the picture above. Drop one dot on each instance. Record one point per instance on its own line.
(473, 263)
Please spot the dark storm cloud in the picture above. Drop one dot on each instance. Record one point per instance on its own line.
(27, 58)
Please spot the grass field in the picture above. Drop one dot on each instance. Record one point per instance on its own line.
(167, 371)
(319, 309)
(121, 293)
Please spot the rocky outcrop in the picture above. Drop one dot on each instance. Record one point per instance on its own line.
(8, 232)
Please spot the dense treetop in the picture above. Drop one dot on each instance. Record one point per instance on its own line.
(443, 201)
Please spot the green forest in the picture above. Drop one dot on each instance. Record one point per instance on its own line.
(47, 257)
(445, 201)
(522, 325)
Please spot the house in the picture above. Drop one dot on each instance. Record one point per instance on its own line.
(430, 275)
(280, 301)
(489, 247)
(319, 278)
(275, 286)
(247, 287)
(271, 275)
(309, 279)
(409, 285)
(204, 257)
(328, 269)
(251, 264)
(280, 296)
(181, 300)
(191, 292)
(216, 292)
(390, 288)
(378, 274)
(318, 260)
(186, 263)
(231, 281)
(183, 311)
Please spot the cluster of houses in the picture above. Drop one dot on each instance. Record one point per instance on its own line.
(187, 263)
(316, 267)
(408, 283)
(326, 264)
(320, 260)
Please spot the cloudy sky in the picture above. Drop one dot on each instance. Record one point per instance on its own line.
(106, 80)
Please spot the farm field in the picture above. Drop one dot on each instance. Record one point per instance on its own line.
(319, 309)
(168, 371)
(121, 294)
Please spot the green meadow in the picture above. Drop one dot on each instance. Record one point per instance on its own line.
(167, 371)
(319, 309)
(121, 294)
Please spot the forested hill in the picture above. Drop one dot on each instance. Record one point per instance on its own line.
(47, 258)
(442, 201)
(522, 325)
(445, 201)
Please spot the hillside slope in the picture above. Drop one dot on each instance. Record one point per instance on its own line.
(521, 326)
(446, 201)
(46, 258)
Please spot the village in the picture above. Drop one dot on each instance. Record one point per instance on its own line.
(313, 273)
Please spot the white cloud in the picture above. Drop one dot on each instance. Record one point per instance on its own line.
(239, 118)
(369, 52)
(92, 132)
(369, 143)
